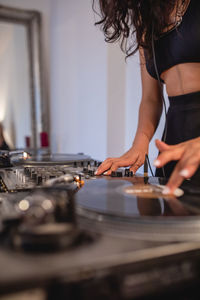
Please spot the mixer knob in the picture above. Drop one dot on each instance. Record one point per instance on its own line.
(27, 171)
(128, 173)
(34, 175)
(39, 179)
(113, 174)
(116, 174)
(85, 170)
(32, 171)
(91, 173)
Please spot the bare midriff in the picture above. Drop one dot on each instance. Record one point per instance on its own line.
(182, 79)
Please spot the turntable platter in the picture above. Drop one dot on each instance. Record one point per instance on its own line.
(128, 198)
(117, 205)
(53, 159)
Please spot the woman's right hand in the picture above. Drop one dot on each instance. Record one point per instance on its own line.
(133, 158)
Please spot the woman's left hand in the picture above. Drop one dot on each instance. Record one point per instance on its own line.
(188, 156)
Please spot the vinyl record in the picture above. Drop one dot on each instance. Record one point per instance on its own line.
(135, 207)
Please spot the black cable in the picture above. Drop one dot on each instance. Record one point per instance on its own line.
(148, 162)
(161, 89)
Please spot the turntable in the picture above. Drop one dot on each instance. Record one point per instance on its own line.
(78, 236)
(52, 159)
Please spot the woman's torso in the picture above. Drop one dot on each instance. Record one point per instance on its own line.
(178, 54)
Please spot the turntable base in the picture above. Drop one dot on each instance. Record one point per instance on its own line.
(109, 238)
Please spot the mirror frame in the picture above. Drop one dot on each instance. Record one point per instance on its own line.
(32, 19)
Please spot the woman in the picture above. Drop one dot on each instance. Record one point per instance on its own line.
(168, 39)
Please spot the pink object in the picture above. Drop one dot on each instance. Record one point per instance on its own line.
(44, 141)
(27, 141)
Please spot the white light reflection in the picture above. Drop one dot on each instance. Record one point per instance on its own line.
(24, 205)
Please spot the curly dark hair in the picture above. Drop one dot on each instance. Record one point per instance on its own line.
(131, 21)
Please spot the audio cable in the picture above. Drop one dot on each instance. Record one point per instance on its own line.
(161, 90)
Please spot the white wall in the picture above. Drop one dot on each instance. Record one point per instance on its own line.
(116, 101)
(79, 80)
(94, 94)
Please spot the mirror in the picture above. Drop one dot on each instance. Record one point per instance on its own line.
(23, 111)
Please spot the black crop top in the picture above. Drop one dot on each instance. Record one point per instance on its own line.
(181, 45)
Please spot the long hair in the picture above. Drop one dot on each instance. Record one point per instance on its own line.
(132, 21)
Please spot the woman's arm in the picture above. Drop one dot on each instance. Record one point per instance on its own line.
(149, 115)
(150, 106)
